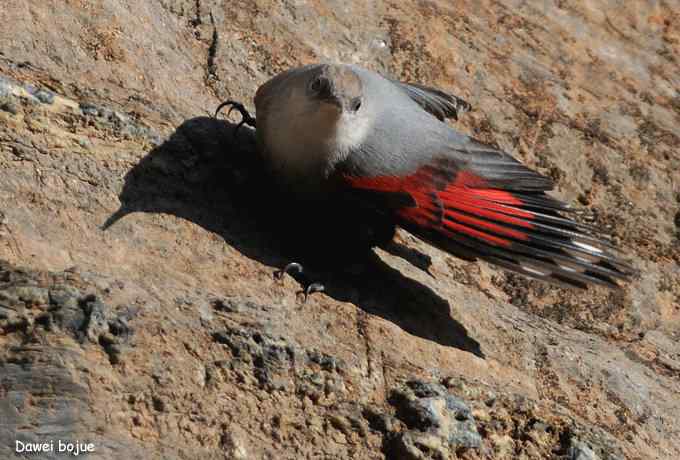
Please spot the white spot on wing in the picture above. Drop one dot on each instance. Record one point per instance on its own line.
(534, 271)
(587, 247)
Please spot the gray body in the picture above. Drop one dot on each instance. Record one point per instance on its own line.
(303, 143)
(396, 130)
(326, 128)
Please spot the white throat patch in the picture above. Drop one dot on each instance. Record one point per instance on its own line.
(304, 138)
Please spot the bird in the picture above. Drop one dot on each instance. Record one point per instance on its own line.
(362, 147)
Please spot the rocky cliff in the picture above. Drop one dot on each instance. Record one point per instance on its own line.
(138, 311)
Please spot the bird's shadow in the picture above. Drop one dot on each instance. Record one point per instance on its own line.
(205, 174)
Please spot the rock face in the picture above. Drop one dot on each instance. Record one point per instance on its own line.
(439, 423)
(138, 311)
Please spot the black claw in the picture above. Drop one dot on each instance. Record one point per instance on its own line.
(246, 118)
(314, 287)
(294, 269)
(311, 289)
(291, 268)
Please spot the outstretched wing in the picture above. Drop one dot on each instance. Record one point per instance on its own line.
(440, 104)
(489, 206)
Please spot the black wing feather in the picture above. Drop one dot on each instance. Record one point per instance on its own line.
(440, 104)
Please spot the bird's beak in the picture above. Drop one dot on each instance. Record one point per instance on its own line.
(334, 101)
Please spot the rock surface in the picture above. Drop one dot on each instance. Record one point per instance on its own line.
(137, 306)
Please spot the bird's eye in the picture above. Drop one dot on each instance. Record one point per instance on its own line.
(316, 84)
(356, 104)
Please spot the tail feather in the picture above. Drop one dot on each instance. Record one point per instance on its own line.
(501, 228)
(543, 265)
(572, 242)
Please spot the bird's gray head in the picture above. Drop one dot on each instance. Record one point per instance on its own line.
(313, 121)
(336, 88)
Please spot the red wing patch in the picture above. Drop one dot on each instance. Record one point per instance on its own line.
(457, 206)
(518, 230)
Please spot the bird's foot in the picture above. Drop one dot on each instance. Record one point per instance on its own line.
(246, 118)
(309, 290)
(292, 268)
(296, 270)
